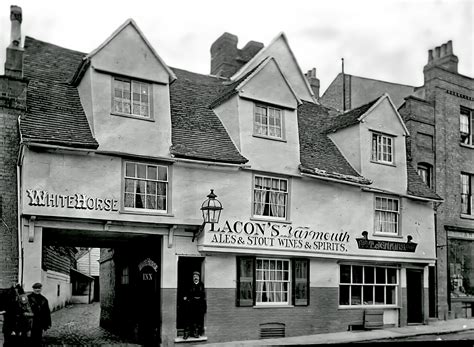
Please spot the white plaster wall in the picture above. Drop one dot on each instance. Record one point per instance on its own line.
(389, 177)
(347, 140)
(266, 154)
(50, 281)
(221, 271)
(228, 113)
(85, 89)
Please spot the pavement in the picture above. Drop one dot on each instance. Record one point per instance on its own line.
(386, 335)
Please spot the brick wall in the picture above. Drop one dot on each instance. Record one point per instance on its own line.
(12, 104)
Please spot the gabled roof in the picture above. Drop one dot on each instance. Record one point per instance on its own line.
(54, 110)
(197, 131)
(237, 85)
(319, 155)
(262, 54)
(356, 115)
(140, 33)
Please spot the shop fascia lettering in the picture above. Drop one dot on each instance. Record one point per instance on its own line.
(276, 235)
(76, 201)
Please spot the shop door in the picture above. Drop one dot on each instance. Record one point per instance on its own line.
(186, 267)
(414, 296)
(149, 303)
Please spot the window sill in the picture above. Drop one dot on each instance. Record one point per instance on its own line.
(466, 145)
(397, 236)
(383, 163)
(126, 115)
(274, 306)
(367, 307)
(467, 216)
(271, 220)
(147, 213)
(269, 138)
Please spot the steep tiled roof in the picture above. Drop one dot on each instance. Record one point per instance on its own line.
(417, 187)
(54, 111)
(197, 131)
(319, 155)
(350, 117)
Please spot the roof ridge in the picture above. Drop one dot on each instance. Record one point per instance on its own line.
(52, 44)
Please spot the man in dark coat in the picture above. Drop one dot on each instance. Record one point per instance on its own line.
(42, 315)
(196, 307)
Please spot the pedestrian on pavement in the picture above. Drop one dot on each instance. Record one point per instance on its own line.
(196, 307)
(42, 315)
(18, 318)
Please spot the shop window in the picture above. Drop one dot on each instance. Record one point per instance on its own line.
(382, 148)
(425, 171)
(467, 187)
(367, 285)
(466, 120)
(461, 268)
(271, 281)
(268, 122)
(131, 98)
(270, 197)
(387, 212)
(146, 187)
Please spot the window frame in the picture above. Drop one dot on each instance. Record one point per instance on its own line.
(428, 168)
(468, 193)
(374, 152)
(167, 196)
(364, 283)
(149, 85)
(468, 138)
(398, 216)
(267, 125)
(254, 202)
(288, 281)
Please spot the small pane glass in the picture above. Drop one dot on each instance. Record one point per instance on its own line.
(356, 274)
(356, 295)
(344, 295)
(129, 185)
(141, 171)
(129, 200)
(368, 274)
(345, 276)
(380, 275)
(368, 295)
(130, 170)
(391, 275)
(162, 173)
(379, 295)
(152, 172)
(391, 298)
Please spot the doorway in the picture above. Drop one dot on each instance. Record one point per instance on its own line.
(414, 296)
(186, 267)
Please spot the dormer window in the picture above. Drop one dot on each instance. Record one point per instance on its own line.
(268, 122)
(382, 148)
(131, 98)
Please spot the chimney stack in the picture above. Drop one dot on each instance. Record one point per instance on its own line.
(313, 81)
(227, 59)
(443, 56)
(14, 59)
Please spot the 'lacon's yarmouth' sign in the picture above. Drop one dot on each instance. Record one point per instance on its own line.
(76, 201)
(275, 235)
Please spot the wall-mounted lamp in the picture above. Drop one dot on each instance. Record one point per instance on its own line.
(211, 211)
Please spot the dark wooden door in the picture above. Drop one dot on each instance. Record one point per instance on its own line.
(414, 296)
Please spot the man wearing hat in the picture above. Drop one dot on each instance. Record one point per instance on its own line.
(42, 315)
(196, 299)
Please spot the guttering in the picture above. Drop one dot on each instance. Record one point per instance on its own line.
(333, 180)
(210, 163)
(408, 196)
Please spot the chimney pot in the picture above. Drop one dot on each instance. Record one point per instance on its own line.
(430, 55)
(443, 57)
(450, 47)
(437, 52)
(16, 18)
(443, 50)
(313, 81)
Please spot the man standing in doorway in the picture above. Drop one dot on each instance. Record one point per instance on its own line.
(42, 315)
(196, 302)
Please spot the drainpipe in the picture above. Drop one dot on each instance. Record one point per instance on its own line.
(19, 209)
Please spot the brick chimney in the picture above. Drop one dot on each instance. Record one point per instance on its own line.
(14, 58)
(313, 81)
(226, 58)
(444, 57)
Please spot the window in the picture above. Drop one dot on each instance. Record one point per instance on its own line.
(467, 186)
(382, 148)
(271, 281)
(124, 279)
(131, 98)
(146, 186)
(386, 215)
(367, 285)
(268, 122)
(425, 172)
(466, 120)
(270, 197)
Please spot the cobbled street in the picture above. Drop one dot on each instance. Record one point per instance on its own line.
(79, 325)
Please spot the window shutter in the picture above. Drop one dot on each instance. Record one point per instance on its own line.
(300, 282)
(245, 281)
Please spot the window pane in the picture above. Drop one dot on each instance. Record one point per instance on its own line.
(161, 203)
(344, 295)
(390, 295)
(129, 200)
(379, 295)
(391, 275)
(141, 171)
(368, 274)
(152, 172)
(130, 170)
(345, 274)
(356, 295)
(129, 185)
(151, 202)
(356, 274)
(380, 275)
(368, 295)
(162, 173)
(140, 201)
(151, 188)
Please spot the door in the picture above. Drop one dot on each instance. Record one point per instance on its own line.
(414, 296)
(186, 267)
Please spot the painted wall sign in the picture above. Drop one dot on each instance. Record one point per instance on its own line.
(381, 245)
(77, 201)
(275, 235)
